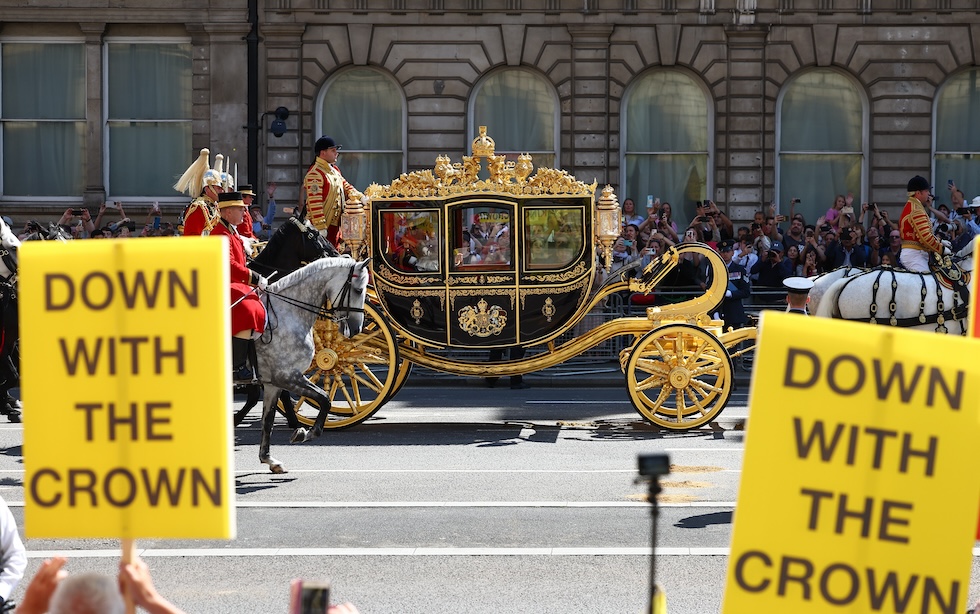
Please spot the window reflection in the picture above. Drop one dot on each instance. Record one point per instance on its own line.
(554, 237)
(483, 238)
(411, 240)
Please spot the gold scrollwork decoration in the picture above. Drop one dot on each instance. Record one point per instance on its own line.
(484, 320)
(580, 269)
(407, 280)
(481, 292)
(415, 293)
(579, 287)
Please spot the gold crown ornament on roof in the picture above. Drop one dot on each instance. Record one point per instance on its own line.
(505, 177)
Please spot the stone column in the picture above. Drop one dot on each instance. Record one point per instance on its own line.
(93, 172)
(590, 144)
(745, 126)
(280, 85)
(229, 81)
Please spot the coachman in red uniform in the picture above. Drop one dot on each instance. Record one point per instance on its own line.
(327, 190)
(248, 315)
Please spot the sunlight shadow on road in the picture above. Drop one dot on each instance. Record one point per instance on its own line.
(704, 520)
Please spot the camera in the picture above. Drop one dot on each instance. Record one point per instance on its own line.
(653, 465)
(826, 228)
(78, 211)
(309, 597)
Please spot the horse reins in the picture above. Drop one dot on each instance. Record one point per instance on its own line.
(320, 310)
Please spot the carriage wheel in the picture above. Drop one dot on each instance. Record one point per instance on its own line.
(358, 374)
(679, 376)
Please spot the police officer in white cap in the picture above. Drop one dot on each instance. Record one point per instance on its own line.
(797, 294)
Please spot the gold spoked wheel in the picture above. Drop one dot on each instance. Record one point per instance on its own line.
(679, 376)
(358, 374)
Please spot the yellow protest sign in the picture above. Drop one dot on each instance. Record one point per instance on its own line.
(858, 492)
(126, 384)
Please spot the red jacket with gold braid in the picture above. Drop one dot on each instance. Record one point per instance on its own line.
(200, 216)
(326, 193)
(916, 229)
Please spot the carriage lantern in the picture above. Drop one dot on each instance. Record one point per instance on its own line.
(353, 223)
(608, 223)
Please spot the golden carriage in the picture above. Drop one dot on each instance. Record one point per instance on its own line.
(466, 259)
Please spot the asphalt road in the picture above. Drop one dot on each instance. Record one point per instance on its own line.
(457, 498)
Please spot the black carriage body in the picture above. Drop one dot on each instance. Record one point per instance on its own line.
(483, 270)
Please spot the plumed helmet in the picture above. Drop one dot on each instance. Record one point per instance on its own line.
(215, 176)
(227, 179)
(918, 183)
(192, 181)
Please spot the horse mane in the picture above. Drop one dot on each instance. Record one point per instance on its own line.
(304, 273)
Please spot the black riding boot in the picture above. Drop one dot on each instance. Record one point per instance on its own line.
(239, 360)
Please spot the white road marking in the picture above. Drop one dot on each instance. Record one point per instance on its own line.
(447, 504)
(244, 552)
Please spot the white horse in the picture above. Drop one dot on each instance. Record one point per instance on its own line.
(894, 297)
(328, 287)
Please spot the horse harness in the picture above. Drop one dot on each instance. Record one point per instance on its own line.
(325, 310)
(947, 271)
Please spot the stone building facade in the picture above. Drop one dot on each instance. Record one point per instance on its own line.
(889, 62)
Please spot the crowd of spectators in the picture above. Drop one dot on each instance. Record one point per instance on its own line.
(78, 223)
(774, 247)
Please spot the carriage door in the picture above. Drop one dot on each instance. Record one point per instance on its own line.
(483, 274)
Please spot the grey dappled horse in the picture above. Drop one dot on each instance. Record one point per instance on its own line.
(849, 294)
(293, 245)
(286, 349)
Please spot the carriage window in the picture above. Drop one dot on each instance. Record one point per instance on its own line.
(411, 239)
(553, 237)
(483, 238)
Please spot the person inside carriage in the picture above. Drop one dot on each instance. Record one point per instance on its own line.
(247, 312)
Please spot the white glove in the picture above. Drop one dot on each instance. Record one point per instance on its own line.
(947, 249)
(263, 283)
(728, 294)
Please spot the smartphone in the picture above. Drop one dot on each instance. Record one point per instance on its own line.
(111, 205)
(156, 221)
(309, 596)
(78, 211)
(949, 182)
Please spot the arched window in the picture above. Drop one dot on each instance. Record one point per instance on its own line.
(666, 130)
(821, 142)
(363, 109)
(957, 136)
(520, 110)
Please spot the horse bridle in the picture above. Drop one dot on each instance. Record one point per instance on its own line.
(321, 310)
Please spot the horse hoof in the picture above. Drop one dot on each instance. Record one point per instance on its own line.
(277, 469)
(14, 417)
(299, 435)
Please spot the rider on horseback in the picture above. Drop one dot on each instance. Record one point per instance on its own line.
(918, 239)
(204, 184)
(247, 312)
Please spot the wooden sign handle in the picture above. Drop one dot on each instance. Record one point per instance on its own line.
(129, 556)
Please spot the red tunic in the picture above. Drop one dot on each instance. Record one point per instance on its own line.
(248, 314)
(245, 228)
(201, 215)
(916, 229)
(326, 192)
